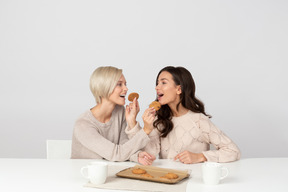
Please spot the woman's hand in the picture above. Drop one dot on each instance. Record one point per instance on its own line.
(131, 113)
(148, 119)
(188, 157)
(145, 158)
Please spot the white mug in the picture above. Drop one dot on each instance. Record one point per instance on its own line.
(96, 172)
(213, 172)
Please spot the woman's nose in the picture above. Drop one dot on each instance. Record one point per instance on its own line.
(157, 87)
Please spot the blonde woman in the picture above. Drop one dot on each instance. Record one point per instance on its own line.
(99, 133)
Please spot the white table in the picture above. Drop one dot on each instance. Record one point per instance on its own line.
(35, 175)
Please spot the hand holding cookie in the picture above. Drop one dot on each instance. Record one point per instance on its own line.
(148, 119)
(156, 105)
(132, 109)
(134, 104)
(131, 96)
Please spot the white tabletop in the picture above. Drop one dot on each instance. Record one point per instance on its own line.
(259, 174)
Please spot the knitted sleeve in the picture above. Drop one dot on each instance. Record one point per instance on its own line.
(97, 145)
(225, 149)
(152, 147)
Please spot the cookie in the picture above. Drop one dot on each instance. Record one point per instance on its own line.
(146, 175)
(170, 176)
(138, 171)
(163, 177)
(156, 105)
(131, 96)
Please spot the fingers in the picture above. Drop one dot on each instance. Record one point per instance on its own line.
(145, 161)
(147, 155)
(134, 103)
(134, 106)
(149, 114)
(178, 157)
(149, 161)
(127, 111)
(152, 110)
(131, 106)
(152, 157)
(127, 108)
(187, 157)
(148, 119)
(137, 106)
(182, 157)
(146, 158)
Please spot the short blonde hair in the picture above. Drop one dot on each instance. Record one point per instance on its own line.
(103, 81)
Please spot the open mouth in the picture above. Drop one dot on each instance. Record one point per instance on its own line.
(160, 95)
(123, 96)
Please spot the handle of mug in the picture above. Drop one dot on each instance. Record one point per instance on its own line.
(226, 172)
(84, 172)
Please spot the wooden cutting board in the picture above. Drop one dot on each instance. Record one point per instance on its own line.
(157, 174)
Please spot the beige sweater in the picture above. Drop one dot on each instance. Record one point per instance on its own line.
(193, 132)
(95, 140)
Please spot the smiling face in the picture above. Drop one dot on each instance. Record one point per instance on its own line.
(167, 91)
(119, 92)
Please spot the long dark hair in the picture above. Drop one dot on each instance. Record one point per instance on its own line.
(182, 77)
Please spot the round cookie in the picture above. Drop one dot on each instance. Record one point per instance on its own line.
(131, 96)
(171, 176)
(156, 105)
(147, 175)
(138, 171)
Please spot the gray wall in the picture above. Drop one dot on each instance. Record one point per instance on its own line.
(236, 51)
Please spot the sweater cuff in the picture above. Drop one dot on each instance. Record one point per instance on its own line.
(210, 156)
(131, 132)
(224, 157)
(134, 157)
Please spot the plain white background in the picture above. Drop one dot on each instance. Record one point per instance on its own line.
(235, 50)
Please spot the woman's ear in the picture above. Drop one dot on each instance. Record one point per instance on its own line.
(179, 89)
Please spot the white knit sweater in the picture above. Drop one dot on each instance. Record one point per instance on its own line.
(193, 132)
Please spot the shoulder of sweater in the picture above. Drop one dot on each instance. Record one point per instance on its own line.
(85, 116)
(195, 119)
(83, 120)
(197, 116)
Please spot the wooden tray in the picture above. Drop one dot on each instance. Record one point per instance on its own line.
(156, 172)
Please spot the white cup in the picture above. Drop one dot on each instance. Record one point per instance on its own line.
(96, 172)
(212, 173)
